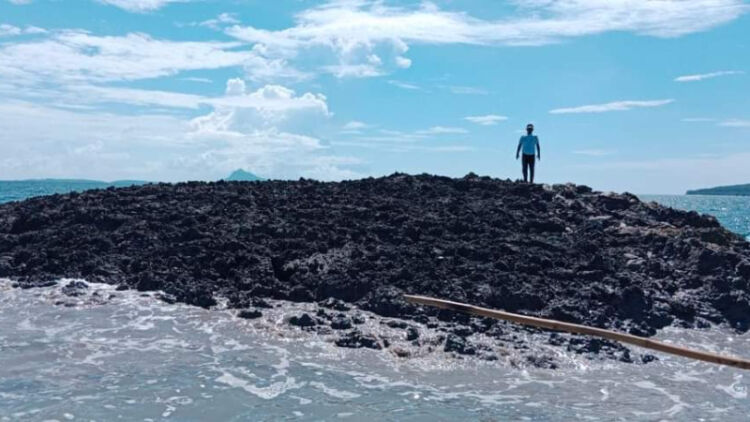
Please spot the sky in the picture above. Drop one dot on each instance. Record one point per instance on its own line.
(644, 96)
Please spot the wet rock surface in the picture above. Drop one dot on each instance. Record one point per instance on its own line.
(560, 252)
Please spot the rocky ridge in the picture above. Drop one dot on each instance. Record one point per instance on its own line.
(562, 252)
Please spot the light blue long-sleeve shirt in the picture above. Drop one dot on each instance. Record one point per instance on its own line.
(528, 144)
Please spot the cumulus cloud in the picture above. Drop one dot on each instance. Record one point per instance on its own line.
(347, 32)
(613, 106)
(269, 129)
(160, 147)
(702, 76)
(487, 120)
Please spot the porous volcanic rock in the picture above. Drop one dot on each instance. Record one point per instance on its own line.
(561, 251)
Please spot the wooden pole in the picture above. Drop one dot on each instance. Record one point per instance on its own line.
(581, 329)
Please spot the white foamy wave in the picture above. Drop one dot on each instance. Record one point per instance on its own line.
(106, 353)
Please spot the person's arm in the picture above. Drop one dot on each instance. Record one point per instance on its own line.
(518, 150)
(538, 150)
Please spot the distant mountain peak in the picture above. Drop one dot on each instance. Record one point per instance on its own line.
(241, 175)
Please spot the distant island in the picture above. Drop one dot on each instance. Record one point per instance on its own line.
(736, 190)
(241, 175)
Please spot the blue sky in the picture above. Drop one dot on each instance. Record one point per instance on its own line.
(639, 96)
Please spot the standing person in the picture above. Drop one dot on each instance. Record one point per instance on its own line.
(530, 145)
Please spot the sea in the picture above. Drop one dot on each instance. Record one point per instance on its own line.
(109, 355)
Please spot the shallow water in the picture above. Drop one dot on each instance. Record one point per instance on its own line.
(133, 357)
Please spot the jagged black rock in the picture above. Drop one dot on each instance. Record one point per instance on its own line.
(562, 252)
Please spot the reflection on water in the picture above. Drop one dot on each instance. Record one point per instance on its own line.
(132, 357)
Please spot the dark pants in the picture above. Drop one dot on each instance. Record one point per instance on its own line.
(528, 164)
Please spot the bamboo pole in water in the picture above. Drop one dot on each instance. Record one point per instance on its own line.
(581, 329)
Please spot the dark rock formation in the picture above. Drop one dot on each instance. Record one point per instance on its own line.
(563, 252)
(304, 320)
(250, 314)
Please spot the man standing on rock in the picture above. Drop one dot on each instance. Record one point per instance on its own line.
(530, 145)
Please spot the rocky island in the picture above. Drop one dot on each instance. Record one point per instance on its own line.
(563, 252)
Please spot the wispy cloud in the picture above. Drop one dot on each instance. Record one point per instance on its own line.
(404, 85)
(201, 80)
(79, 56)
(355, 125)
(486, 120)
(735, 123)
(442, 130)
(613, 106)
(711, 75)
(140, 6)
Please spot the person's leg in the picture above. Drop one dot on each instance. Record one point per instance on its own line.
(525, 167)
(531, 167)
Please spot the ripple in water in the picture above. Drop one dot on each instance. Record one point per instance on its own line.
(132, 357)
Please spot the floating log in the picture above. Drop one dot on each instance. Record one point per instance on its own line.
(581, 329)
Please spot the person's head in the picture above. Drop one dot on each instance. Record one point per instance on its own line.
(529, 128)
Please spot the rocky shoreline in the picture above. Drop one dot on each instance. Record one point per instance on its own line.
(561, 252)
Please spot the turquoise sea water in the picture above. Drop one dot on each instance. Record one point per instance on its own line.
(125, 356)
(733, 212)
(16, 190)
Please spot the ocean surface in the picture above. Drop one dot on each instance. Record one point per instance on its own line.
(106, 355)
(16, 190)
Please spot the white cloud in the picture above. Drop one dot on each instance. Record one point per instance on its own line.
(735, 123)
(441, 130)
(201, 80)
(403, 62)
(160, 147)
(487, 120)
(702, 76)
(613, 106)
(20, 1)
(355, 125)
(345, 32)
(271, 100)
(139, 6)
(7, 30)
(404, 85)
(80, 56)
(224, 19)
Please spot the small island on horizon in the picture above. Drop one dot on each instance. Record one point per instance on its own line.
(241, 175)
(736, 190)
